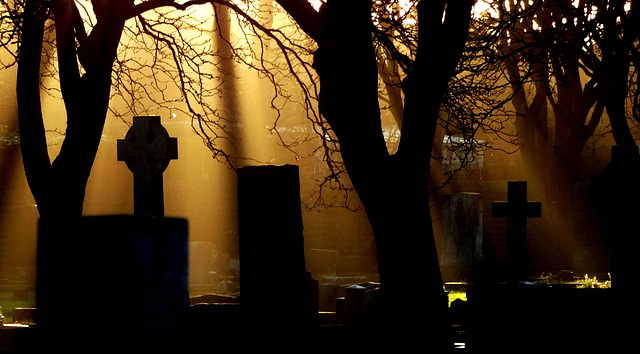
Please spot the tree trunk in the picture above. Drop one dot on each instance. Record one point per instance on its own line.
(414, 303)
(32, 132)
(59, 187)
(619, 188)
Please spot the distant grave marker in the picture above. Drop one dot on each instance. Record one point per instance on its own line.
(517, 209)
(147, 150)
(462, 235)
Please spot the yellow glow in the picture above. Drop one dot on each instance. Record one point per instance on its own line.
(196, 186)
(405, 5)
(316, 4)
(535, 25)
(18, 213)
(481, 7)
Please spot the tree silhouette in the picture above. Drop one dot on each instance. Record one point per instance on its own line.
(558, 103)
(345, 61)
(433, 72)
(347, 66)
(616, 32)
(84, 64)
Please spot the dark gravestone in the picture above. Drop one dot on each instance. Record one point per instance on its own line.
(113, 284)
(147, 150)
(361, 305)
(517, 209)
(24, 315)
(118, 283)
(274, 284)
(462, 238)
(617, 191)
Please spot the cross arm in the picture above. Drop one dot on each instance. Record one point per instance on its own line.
(533, 209)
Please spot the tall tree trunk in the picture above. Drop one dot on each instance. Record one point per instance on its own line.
(619, 186)
(59, 186)
(413, 298)
(32, 132)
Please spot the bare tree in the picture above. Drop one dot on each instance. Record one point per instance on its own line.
(348, 117)
(433, 74)
(58, 186)
(552, 57)
(346, 63)
(557, 102)
(616, 35)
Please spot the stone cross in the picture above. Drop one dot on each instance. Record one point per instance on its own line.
(147, 150)
(517, 209)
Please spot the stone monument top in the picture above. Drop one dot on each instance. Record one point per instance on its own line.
(147, 150)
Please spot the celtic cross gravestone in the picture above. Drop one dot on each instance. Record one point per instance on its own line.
(147, 150)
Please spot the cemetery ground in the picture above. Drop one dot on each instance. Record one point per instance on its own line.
(554, 313)
(10, 302)
(131, 291)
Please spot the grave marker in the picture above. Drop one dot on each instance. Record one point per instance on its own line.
(271, 247)
(147, 150)
(110, 282)
(517, 209)
(462, 235)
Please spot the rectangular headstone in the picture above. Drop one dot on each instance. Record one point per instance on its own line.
(274, 283)
(462, 235)
(110, 283)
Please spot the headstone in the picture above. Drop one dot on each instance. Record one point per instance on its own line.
(275, 288)
(24, 315)
(617, 191)
(109, 283)
(462, 235)
(147, 150)
(361, 305)
(327, 294)
(118, 283)
(517, 209)
(354, 297)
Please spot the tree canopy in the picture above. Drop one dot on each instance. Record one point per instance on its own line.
(438, 68)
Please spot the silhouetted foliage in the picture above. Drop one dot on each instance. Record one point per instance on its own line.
(437, 70)
(554, 56)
